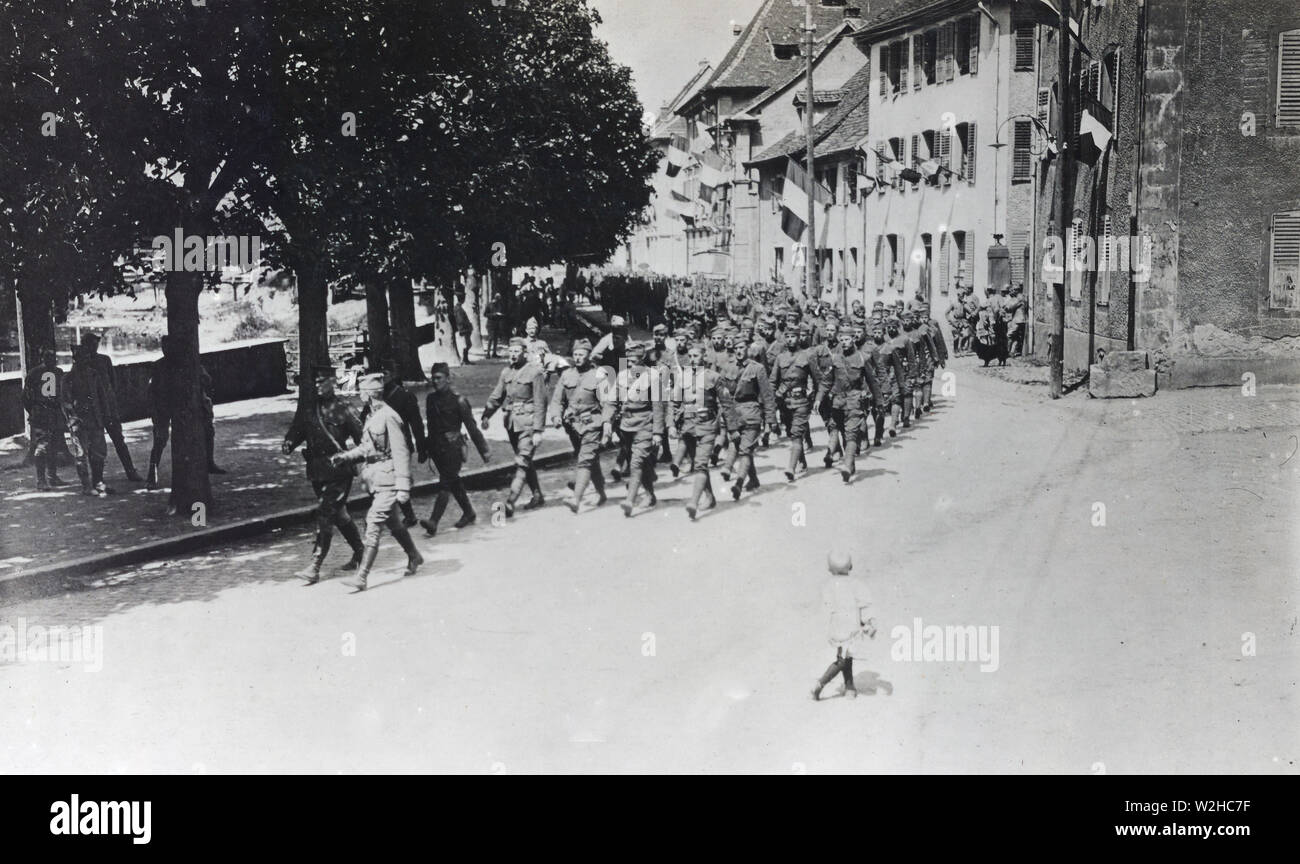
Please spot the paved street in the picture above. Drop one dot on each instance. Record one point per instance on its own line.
(599, 643)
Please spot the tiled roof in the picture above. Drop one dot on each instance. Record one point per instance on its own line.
(839, 130)
(750, 62)
(820, 97)
(889, 12)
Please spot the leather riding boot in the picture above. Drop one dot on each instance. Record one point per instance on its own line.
(697, 490)
(363, 571)
(312, 571)
(581, 479)
(430, 525)
(351, 534)
(413, 557)
(42, 484)
(151, 479)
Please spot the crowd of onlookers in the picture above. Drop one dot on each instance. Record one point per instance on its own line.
(993, 327)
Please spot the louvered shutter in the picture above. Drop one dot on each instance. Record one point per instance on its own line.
(1020, 156)
(1105, 260)
(1024, 47)
(901, 48)
(1284, 274)
(975, 25)
(1288, 79)
(968, 156)
(1016, 250)
(945, 154)
(918, 55)
(1073, 272)
(1044, 107)
(944, 269)
(880, 166)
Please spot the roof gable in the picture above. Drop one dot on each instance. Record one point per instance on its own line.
(750, 62)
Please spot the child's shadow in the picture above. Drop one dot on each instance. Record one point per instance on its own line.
(868, 683)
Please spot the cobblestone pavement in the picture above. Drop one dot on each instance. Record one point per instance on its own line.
(1135, 574)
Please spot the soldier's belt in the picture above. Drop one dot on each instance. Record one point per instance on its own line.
(636, 410)
(796, 392)
(378, 457)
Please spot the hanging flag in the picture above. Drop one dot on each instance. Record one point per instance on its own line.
(1092, 134)
(793, 197)
(711, 176)
(703, 141)
(706, 192)
(792, 224)
(929, 167)
(864, 182)
(794, 173)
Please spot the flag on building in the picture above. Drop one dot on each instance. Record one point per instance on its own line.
(1094, 137)
(703, 141)
(678, 158)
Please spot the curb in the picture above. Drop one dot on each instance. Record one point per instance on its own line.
(49, 579)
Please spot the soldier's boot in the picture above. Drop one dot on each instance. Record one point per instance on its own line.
(796, 456)
(52, 472)
(850, 691)
(697, 490)
(708, 490)
(634, 481)
(598, 483)
(312, 571)
(516, 486)
(582, 477)
(408, 514)
(102, 489)
(907, 411)
(880, 427)
(124, 456)
(767, 439)
(361, 582)
(850, 465)
(895, 417)
(827, 677)
(928, 392)
(648, 482)
(740, 479)
(413, 557)
(752, 474)
(535, 486)
(351, 534)
(430, 525)
(83, 474)
(42, 484)
(151, 478)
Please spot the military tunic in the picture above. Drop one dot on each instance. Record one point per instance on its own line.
(448, 413)
(386, 469)
(521, 394)
(581, 403)
(796, 380)
(325, 427)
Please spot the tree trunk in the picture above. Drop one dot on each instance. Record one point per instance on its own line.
(190, 484)
(313, 327)
(38, 320)
(474, 290)
(377, 321)
(405, 347)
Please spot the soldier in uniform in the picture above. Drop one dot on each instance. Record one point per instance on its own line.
(754, 405)
(43, 399)
(403, 401)
(850, 378)
(698, 396)
(907, 357)
(521, 392)
(795, 381)
(448, 413)
(938, 352)
(923, 366)
(108, 396)
(892, 378)
(823, 353)
(386, 471)
(641, 408)
(325, 427)
(581, 404)
(83, 405)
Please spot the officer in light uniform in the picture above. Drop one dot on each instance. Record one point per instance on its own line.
(521, 393)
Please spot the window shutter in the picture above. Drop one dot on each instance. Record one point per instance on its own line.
(975, 25)
(916, 150)
(1016, 249)
(881, 278)
(1288, 79)
(945, 153)
(918, 58)
(1105, 261)
(1284, 274)
(1024, 47)
(944, 54)
(950, 63)
(1072, 274)
(1044, 111)
(969, 155)
(901, 48)
(1020, 158)
(944, 268)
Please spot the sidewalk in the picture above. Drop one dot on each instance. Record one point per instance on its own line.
(46, 535)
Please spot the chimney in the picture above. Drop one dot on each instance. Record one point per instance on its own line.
(852, 13)
(736, 28)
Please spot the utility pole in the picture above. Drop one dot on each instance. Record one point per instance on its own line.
(1064, 202)
(810, 263)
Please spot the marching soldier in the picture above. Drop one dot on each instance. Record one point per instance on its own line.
(326, 428)
(448, 413)
(521, 392)
(907, 355)
(823, 354)
(850, 378)
(43, 399)
(403, 401)
(108, 397)
(754, 406)
(581, 404)
(796, 380)
(386, 471)
(938, 352)
(890, 374)
(640, 408)
(923, 369)
(698, 398)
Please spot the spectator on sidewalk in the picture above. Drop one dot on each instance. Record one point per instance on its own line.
(1019, 321)
(84, 407)
(108, 398)
(464, 329)
(43, 399)
(496, 324)
(611, 350)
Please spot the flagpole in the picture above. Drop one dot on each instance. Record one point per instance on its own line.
(810, 275)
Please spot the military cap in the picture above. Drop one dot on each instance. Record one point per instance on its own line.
(322, 370)
(439, 367)
(769, 318)
(721, 330)
(892, 321)
(617, 321)
(660, 330)
(371, 381)
(518, 340)
(90, 337)
(581, 344)
(805, 327)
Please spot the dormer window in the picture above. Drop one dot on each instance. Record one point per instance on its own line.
(785, 50)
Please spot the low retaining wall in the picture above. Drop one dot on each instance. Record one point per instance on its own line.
(240, 370)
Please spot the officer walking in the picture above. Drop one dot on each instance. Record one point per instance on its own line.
(403, 401)
(85, 410)
(386, 471)
(581, 404)
(448, 413)
(521, 392)
(697, 399)
(325, 428)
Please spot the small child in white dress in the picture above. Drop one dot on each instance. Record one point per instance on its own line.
(846, 601)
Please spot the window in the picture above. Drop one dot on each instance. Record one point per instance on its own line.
(828, 176)
(927, 260)
(1024, 38)
(900, 63)
(887, 262)
(779, 266)
(946, 67)
(1016, 250)
(1021, 171)
(1288, 79)
(930, 47)
(851, 173)
(966, 138)
(918, 61)
(1284, 260)
(960, 248)
(945, 266)
(785, 50)
(967, 47)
